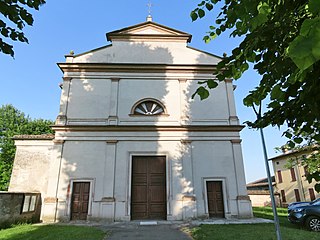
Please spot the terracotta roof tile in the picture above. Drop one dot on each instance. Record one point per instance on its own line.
(34, 137)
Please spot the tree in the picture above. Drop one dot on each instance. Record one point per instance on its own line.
(13, 122)
(282, 42)
(17, 15)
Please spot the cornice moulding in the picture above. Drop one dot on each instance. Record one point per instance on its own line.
(137, 68)
(86, 128)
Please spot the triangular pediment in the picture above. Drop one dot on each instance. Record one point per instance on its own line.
(148, 30)
(148, 43)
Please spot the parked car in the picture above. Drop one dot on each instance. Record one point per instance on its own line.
(306, 213)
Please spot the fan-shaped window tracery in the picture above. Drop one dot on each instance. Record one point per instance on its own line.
(148, 107)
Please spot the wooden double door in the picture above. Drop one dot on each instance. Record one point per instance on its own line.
(148, 190)
(80, 200)
(215, 199)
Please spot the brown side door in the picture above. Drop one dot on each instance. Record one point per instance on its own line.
(80, 200)
(148, 191)
(215, 199)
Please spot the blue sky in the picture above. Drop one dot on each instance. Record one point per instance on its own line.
(31, 81)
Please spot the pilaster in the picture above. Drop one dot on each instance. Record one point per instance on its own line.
(233, 119)
(109, 169)
(64, 99)
(113, 108)
(188, 199)
(51, 198)
(107, 202)
(243, 200)
(184, 114)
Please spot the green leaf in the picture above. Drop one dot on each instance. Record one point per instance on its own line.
(291, 144)
(316, 137)
(203, 93)
(244, 67)
(212, 84)
(236, 73)
(288, 135)
(218, 21)
(209, 6)
(4, 32)
(206, 39)
(193, 16)
(202, 3)
(274, 104)
(251, 57)
(201, 13)
(2, 24)
(316, 176)
(6, 48)
(236, 51)
(304, 50)
(314, 6)
(220, 77)
(298, 140)
(213, 35)
(276, 92)
(264, 11)
(27, 17)
(282, 41)
(247, 101)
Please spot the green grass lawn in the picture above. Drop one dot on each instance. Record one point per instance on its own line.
(265, 231)
(54, 232)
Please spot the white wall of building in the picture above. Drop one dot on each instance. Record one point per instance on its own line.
(96, 134)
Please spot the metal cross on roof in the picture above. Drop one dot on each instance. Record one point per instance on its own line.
(149, 17)
(149, 7)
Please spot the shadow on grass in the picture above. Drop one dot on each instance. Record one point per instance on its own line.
(266, 212)
(265, 231)
(51, 232)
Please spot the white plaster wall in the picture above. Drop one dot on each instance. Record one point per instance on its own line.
(209, 160)
(104, 158)
(89, 102)
(88, 92)
(81, 161)
(213, 110)
(132, 91)
(89, 98)
(84, 159)
(188, 165)
(157, 52)
(214, 160)
(179, 181)
(31, 164)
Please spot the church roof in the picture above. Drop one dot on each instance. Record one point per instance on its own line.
(148, 30)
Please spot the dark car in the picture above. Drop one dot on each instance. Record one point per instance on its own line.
(306, 213)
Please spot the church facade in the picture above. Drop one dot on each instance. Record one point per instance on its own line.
(130, 143)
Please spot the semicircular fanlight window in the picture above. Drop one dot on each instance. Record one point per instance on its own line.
(149, 108)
